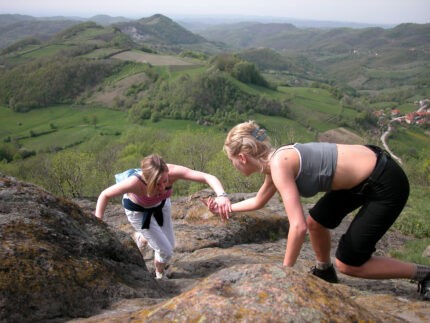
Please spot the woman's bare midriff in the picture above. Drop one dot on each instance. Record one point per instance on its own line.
(355, 163)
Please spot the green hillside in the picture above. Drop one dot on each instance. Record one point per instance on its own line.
(368, 59)
(161, 30)
(90, 100)
(288, 37)
(95, 90)
(14, 28)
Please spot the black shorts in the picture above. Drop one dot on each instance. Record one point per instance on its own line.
(381, 198)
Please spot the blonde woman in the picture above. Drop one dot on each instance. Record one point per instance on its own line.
(352, 177)
(146, 200)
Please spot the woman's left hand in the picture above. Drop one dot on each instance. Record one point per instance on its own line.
(224, 206)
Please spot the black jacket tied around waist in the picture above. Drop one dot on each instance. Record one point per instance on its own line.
(156, 211)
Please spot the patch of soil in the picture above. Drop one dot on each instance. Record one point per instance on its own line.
(340, 136)
(110, 94)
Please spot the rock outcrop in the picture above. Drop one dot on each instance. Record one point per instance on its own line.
(59, 263)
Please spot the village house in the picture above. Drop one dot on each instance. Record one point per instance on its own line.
(420, 117)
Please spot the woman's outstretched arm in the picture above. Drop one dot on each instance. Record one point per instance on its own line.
(180, 172)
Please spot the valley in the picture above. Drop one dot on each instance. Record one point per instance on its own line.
(94, 98)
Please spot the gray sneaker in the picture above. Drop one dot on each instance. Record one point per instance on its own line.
(424, 288)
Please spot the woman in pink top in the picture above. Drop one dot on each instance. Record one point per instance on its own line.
(147, 204)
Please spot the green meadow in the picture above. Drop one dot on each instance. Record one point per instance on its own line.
(67, 126)
(62, 126)
(45, 51)
(316, 108)
(70, 127)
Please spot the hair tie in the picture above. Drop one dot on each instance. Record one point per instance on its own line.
(259, 137)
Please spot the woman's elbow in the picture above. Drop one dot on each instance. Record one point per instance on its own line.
(104, 196)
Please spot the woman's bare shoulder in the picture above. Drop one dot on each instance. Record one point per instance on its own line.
(286, 161)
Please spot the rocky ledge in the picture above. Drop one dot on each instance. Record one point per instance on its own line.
(59, 263)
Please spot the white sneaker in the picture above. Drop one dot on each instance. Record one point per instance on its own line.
(160, 276)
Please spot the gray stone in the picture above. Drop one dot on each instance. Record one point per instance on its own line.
(59, 263)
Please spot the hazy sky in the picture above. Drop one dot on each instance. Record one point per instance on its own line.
(364, 11)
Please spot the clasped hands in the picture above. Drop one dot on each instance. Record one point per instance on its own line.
(220, 205)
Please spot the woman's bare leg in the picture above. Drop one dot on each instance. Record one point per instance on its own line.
(320, 239)
(379, 268)
(159, 267)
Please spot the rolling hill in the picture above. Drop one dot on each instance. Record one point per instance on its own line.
(103, 91)
(159, 29)
(14, 28)
(282, 36)
(375, 63)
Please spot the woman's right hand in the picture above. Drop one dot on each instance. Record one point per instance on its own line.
(213, 207)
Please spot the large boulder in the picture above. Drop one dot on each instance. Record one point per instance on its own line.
(259, 293)
(197, 228)
(57, 261)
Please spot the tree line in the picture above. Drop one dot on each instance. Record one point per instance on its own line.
(85, 172)
(48, 81)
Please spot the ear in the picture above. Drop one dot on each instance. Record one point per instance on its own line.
(242, 158)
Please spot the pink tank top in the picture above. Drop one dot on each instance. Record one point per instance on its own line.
(147, 201)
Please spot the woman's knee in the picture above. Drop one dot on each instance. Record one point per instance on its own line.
(347, 269)
(164, 255)
(313, 225)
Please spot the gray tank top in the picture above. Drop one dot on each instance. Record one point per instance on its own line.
(317, 166)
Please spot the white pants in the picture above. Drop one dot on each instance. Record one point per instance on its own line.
(160, 239)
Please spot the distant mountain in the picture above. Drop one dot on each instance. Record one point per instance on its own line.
(159, 29)
(9, 19)
(14, 28)
(362, 58)
(105, 20)
(268, 60)
(198, 23)
(288, 37)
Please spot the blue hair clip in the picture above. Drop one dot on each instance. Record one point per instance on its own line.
(259, 137)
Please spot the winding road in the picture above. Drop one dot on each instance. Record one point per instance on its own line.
(423, 106)
(384, 141)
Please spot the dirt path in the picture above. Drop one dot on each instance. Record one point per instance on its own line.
(423, 105)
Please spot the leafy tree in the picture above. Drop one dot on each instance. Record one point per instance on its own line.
(224, 62)
(194, 148)
(23, 153)
(67, 172)
(155, 116)
(232, 180)
(209, 96)
(366, 120)
(272, 107)
(248, 73)
(7, 151)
